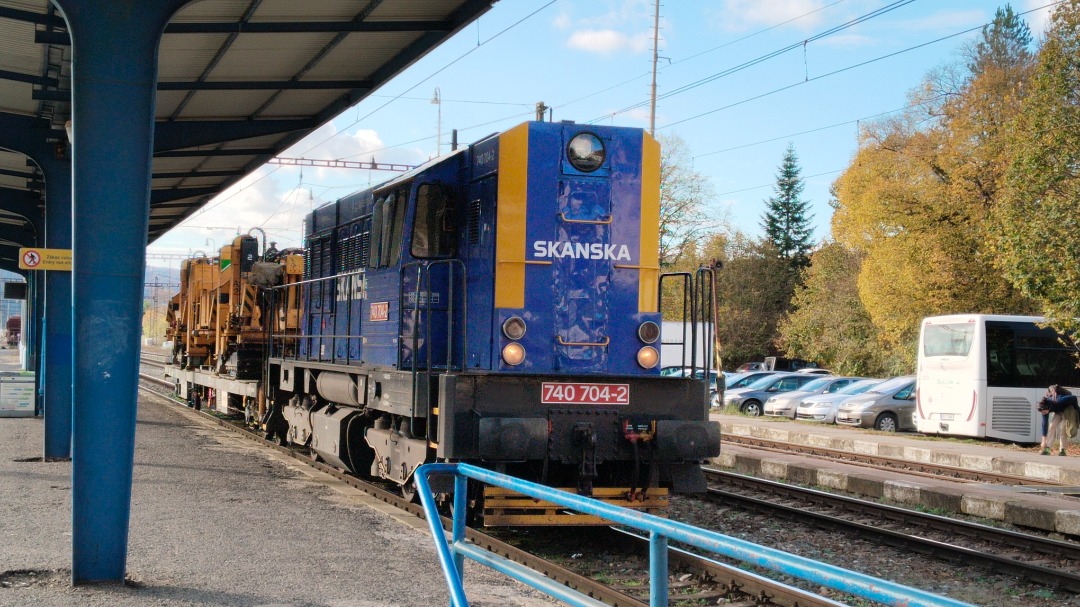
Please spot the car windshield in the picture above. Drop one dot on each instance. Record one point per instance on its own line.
(817, 384)
(859, 387)
(890, 384)
(762, 382)
(745, 379)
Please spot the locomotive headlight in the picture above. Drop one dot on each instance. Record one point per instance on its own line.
(586, 152)
(648, 332)
(513, 354)
(647, 357)
(513, 328)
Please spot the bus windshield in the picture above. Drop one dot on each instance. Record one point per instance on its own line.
(948, 339)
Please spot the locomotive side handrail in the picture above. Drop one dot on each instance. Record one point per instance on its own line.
(423, 277)
(452, 552)
(303, 335)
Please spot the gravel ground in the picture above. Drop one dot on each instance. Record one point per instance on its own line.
(218, 521)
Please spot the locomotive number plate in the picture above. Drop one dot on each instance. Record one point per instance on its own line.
(585, 394)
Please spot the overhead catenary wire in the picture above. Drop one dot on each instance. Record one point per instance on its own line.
(821, 128)
(848, 68)
(763, 58)
(698, 54)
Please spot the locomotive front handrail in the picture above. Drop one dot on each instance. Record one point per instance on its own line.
(452, 552)
(603, 222)
(583, 344)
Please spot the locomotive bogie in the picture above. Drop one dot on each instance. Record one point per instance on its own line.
(337, 436)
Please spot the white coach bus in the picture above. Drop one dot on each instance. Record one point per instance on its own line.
(981, 375)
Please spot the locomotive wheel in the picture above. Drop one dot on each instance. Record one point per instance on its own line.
(474, 510)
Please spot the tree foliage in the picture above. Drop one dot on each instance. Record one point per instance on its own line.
(1035, 227)
(754, 288)
(786, 220)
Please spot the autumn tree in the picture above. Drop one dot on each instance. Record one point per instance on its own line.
(828, 324)
(916, 198)
(1035, 227)
(683, 195)
(786, 220)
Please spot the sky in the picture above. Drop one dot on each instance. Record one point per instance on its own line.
(738, 81)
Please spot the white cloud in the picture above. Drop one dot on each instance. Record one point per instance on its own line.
(640, 114)
(738, 15)
(562, 21)
(598, 41)
(608, 41)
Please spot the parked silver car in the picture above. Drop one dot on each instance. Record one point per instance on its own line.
(784, 405)
(888, 406)
(822, 407)
(750, 399)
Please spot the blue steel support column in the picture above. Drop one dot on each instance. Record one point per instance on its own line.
(114, 71)
(57, 361)
(35, 303)
(25, 134)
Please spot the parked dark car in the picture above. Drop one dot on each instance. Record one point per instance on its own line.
(698, 373)
(755, 366)
(742, 380)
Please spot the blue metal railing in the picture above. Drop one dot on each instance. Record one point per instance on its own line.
(452, 553)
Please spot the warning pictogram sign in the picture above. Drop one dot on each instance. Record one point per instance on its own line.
(44, 259)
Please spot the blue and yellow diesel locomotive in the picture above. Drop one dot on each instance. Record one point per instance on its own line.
(498, 305)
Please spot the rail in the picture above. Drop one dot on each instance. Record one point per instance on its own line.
(452, 553)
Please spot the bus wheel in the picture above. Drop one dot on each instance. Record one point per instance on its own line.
(886, 422)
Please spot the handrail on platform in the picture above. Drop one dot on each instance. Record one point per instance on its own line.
(452, 553)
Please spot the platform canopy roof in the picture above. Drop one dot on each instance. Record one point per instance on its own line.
(239, 81)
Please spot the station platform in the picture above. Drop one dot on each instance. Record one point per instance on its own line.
(1055, 509)
(219, 520)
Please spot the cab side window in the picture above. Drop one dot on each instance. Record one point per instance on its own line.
(387, 219)
(376, 233)
(433, 225)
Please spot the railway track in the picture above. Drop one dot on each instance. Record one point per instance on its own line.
(880, 462)
(1049, 562)
(700, 579)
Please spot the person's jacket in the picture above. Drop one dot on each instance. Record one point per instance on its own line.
(1061, 402)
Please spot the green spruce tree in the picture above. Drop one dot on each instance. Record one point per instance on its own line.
(786, 220)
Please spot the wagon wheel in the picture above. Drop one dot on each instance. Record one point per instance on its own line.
(410, 491)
